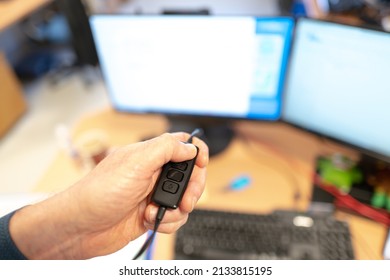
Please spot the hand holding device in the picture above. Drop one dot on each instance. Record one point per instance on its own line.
(169, 188)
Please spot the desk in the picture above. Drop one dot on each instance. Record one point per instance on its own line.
(280, 159)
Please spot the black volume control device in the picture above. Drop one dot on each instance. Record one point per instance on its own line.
(172, 183)
(169, 188)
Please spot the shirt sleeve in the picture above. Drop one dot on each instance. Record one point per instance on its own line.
(8, 249)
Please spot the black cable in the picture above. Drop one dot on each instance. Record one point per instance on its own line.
(196, 132)
(159, 217)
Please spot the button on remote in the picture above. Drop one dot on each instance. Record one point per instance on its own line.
(172, 182)
(180, 165)
(175, 175)
(170, 187)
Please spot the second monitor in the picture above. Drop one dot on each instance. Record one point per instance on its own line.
(338, 85)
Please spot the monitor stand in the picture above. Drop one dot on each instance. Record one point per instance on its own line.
(217, 133)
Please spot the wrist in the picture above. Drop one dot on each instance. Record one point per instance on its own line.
(43, 230)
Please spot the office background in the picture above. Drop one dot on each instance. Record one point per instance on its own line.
(80, 90)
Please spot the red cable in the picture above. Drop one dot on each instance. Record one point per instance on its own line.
(347, 201)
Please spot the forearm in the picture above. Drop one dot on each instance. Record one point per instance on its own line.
(42, 231)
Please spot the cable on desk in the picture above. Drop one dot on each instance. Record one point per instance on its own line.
(346, 201)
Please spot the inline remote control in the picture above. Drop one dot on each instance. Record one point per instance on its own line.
(172, 182)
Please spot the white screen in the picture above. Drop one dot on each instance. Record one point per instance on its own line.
(339, 84)
(209, 66)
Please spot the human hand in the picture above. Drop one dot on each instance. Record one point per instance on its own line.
(110, 206)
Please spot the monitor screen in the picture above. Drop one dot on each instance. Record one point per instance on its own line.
(212, 66)
(338, 84)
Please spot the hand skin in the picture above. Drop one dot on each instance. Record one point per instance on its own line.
(110, 206)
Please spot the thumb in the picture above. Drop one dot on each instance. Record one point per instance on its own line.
(168, 147)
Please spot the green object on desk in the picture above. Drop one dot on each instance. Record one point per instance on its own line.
(339, 171)
(379, 199)
(388, 202)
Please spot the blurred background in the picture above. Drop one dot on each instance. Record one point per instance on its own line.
(50, 62)
(50, 79)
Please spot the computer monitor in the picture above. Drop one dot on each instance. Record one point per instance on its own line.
(213, 7)
(338, 85)
(203, 67)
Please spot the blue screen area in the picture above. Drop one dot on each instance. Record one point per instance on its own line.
(338, 84)
(218, 66)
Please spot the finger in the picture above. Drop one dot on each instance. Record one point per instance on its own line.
(165, 148)
(171, 215)
(203, 155)
(172, 220)
(194, 190)
(181, 136)
(168, 227)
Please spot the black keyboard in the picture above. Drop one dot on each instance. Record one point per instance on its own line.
(280, 235)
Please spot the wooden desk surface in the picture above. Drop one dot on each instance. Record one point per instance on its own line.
(11, 11)
(278, 158)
